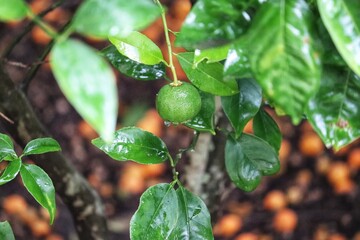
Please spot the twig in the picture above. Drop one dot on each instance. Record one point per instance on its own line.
(27, 29)
(6, 118)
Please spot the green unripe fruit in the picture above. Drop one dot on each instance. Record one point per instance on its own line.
(178, 104)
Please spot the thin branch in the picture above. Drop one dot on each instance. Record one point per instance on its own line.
(6, 118)
(27, 29)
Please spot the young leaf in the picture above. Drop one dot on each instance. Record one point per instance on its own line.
(194, 218)
(283, 56)
(240, 108)
(212, 55)
(40, 186)
(132, 143)
(41, 145)
(12, 10)
(139, 48)
(214, 23)
(101, 19)
(237, 63)
(334, 112)
(249, 158)
(132, 68)
(208, 77)
(266, 128)
(6, 232)
(88, 82)
(157, 214)
(341, 19)
(11, 171)
(6, 147)
(204, 121)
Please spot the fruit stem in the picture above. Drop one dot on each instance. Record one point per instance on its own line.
(175, 82)
(173, 165)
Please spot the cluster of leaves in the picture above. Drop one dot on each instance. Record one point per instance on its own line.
(35, 179)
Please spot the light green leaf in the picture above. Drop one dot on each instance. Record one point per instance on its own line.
(341, 19)
(6, 232)
(132, 143)
(283, 55)
(139, 48)
(237, 64)
(101, 19)
(241, 107)
(212, 55)
(204, 121)
(266, 128)
(208, 77)
(194, 218)
(11, 171)
(334, 112)
(6, 147)
(88, 82)
(40, 186)
(248, 159)
(11, 10)
(41, 145)
(157, 214)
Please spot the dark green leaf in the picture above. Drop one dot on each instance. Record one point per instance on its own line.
(6, 232)
(266, 128)
(211, 55)
(157, 214)
(248, 159)
(237, 63)
(88, 82)
(208, 77)
(40, 186)
(41, 145)
(283, 55)
(214, 22)
(132, 68)
(139, 48)
(204, 121)
(132, 143)
(6, 147)
(334, 112)
(341, 19)
(101, 19)
(194, 218)
(240, 108)
(11, 10)
(11, 171)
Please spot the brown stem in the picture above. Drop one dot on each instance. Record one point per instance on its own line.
(82, 201)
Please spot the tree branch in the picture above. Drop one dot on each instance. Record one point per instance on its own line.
(82, 201)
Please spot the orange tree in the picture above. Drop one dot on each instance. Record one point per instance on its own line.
(300, 57)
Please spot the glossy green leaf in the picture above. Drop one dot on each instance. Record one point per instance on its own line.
(6, 232)
(208, 77)
(11, 10)
(88, 82)
(139, 48)
(41, 145)
(237, 64)
(266, 128)
(283, 55)
(101, 19)
(241, 107)
(334, 112)
(213, 23)
(194, 218)
(204, 121)
(157, 214)
(211, 55)
(341, 19)
(132, 68)
(248, 159)
(11, 171)
(6, 147)
(40, 186)
(132, 143)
